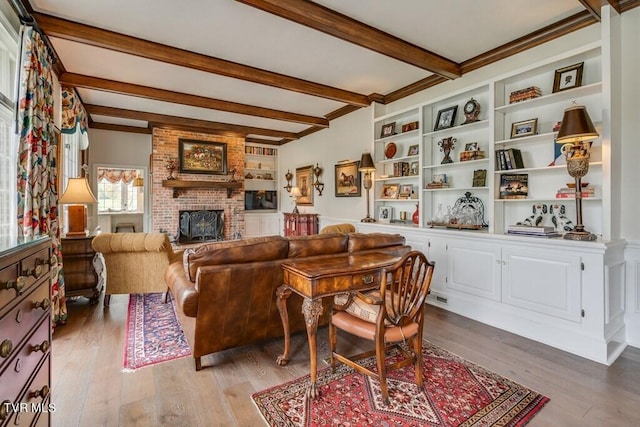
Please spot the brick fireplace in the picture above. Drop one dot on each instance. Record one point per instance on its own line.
(166, 208)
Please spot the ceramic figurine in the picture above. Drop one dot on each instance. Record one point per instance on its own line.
(534, 220)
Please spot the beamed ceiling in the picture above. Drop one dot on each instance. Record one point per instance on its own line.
(276, 70)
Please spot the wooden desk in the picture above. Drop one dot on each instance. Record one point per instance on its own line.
(316, 279)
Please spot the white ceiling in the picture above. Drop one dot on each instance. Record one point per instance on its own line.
(226, 29)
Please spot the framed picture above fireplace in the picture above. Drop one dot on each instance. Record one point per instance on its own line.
(202, 157)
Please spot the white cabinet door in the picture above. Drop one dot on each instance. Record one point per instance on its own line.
(547, 282)
(438, 252)
(257, 225)
(474, 268)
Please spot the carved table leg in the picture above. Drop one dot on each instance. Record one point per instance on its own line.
(282, 293)
(312, 309)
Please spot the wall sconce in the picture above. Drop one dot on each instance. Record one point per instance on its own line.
(576, 129)
(317, 171)
(368, 167)
(288, 176)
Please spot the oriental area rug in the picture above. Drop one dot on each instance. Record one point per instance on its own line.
(153, 332)
(459, 393)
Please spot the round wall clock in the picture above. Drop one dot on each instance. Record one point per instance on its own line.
(471, 111)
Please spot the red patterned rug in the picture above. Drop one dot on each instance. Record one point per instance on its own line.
(459, 394)
(153, 333)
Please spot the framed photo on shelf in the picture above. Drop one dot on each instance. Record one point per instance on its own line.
(405, 191)
(388, 130)
(568, 77)
(524, 128)
(446, 118)
(471, 146)
(408, 127)
(390, 191)
(385, 213)
(347, 179)
(414, 150)
(414, 168)
(202, 157)
(479, 178)
(304, 181)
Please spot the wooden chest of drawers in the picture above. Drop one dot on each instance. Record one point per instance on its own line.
(80, 276)
(25, 333)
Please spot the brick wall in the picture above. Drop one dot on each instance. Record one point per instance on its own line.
(166, 207)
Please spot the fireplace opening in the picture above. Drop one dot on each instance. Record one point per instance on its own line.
(200, 226)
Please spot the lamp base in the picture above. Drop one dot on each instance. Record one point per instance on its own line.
(295, 211)
(580, 235)
(367, 219)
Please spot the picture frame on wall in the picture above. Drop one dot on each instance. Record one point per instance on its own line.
(524, 128)
(304, 181)
(202, 157)
(446, 118)
(347, 179)
(568, 77)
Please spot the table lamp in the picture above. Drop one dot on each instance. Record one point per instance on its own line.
(78, 194)
(367, 166)
(576, 129)
(295, 193)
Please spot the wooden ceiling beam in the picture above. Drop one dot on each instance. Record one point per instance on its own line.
(69, 30)
(593, 7)
(88, 82)
(187, 122)
(348, 29)
(119, 128)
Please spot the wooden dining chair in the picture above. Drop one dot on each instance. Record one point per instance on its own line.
(389, 316)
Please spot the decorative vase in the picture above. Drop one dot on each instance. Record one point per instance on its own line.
(416, 215)
(446, 145)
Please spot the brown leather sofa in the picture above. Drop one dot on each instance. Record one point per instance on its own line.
(225, 292)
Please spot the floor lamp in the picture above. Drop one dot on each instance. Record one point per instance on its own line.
(78, 194)
(367, 166)
(576, 129)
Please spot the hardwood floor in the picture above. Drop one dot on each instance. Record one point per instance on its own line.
(90, 389)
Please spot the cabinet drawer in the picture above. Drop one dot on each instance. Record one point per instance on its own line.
(366, 280)
(34, 400)
(16, 374)
(17, 323)
(36, 267)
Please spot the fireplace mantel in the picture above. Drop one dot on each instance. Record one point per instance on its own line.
(180, 185)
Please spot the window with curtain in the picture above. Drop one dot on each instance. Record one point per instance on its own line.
(120, 190)
(8, 138)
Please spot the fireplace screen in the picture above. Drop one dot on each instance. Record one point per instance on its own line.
(201, 226)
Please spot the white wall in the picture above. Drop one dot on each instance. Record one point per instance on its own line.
(109, 148)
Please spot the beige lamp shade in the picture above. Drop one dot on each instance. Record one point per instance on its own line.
(77, 192)
(576, 126)
(295, 192)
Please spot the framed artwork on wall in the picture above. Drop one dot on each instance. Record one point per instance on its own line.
(202, 157)
(304, 181)
(347, 179)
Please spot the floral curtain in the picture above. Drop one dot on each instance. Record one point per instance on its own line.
(74, 116)
(37, 164)
(115, 175)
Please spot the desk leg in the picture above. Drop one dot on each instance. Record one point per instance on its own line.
(282, 293)
(312, 309)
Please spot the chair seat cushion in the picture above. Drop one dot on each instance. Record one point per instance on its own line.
(364, 329)
(360, 308)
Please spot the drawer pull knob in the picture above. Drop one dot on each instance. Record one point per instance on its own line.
(37, 270)
(4, 409)
(5, 348)
(44, 347)
(368, 279)
(43, 392)
(17, 284)
(44, 304)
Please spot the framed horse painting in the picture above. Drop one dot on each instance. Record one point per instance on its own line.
(347, 179)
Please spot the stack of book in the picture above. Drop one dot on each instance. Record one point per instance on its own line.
(524, 94)
(509, 159)
(438, 185)
(465, 156)
(536, 231)
(570, 193)
(401, 169)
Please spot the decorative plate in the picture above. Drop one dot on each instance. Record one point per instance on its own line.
(390, 150)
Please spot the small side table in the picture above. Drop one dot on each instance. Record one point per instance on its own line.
(80, 275)
(300, 224)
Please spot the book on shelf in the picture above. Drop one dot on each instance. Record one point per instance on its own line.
(465, 156)
(508, 159)
(524, 94)
(401, 169)
(531, 229)
(438, 185)
(524, 233)
(514, 186)
(585, 195)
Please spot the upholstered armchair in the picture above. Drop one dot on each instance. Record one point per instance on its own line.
(338, 228)
(134, 262)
